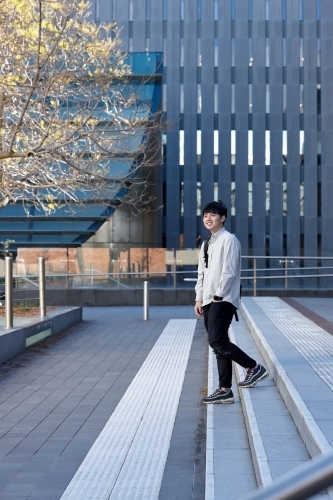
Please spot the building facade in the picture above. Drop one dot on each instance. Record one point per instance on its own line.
(247, 92)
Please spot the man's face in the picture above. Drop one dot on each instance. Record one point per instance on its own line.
(213, 222)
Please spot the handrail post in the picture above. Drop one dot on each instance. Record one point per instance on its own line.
(286, 274)
(254, 277)
(41, 274)
(146, 300)
(9, 291)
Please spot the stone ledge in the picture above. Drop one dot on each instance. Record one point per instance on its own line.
(32, 330)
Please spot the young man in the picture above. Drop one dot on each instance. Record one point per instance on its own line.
(217, 298)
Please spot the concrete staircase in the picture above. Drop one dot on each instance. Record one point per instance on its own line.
(283, 421)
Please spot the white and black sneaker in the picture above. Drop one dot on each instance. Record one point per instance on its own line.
(253, 376)
(220, 396)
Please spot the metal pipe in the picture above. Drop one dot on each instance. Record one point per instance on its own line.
(254, 277)
(146, 300)
(302, 483)
(9, 291)
(41, 274)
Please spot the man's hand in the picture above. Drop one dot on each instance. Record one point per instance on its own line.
(198, 308)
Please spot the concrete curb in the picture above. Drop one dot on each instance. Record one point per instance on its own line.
(259, 457)
(314, 440)
(210, 483)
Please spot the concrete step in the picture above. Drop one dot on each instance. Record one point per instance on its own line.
(299, 356)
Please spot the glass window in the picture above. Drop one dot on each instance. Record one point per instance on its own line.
(233, 92)
(250, 9)
(267, 147)
(284, 98)
(301, 199)
(216, 147)
(130, 10)
(198, 142)
(97, 10)
(216, 52)
(250, 199)
(199, 199)
(318, 52)
(181, 199)
(284, 52)
(318, 10)
(165, 53)
(182, 10)
(199, 10)
(233, 54)
(284, 10)
(181, 98)
(267, 52)
(233, 198)
(250, 51)
(301, 98)
(216, 191)
(199, 100)
(181, 147)
(147, 10)
(182, 52)
(165, 10)
(284, 199)
(199, 60)
(216, 99)
(233, 10)
(301, 10)
(164, 97)
(250, 98)
(301, 147)
(268, 198)
(233, 147)
(250, 147)
(266, 10)
(301, 52)
(284, 146)
(216, 10)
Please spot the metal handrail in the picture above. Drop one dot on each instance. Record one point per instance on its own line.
(303, 482)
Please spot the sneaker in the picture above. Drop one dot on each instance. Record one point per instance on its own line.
(220, 396)
(253, 376)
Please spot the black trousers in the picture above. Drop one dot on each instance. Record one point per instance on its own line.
(218, 316)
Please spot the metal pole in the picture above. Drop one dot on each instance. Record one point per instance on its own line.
(286, 274)
(91, 274)
(41, 273)
(146, 300)
(254, 277)
(9, 291)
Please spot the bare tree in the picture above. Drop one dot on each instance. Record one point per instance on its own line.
(70, 127)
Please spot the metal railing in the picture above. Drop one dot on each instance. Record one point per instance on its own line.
(171, 279)
(9, 303)
(302, 483)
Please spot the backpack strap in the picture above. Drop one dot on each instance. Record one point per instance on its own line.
(206, 243)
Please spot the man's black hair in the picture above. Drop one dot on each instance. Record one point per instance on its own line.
(216, 207)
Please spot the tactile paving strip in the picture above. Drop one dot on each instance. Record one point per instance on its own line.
(128, 458)
(314, 343)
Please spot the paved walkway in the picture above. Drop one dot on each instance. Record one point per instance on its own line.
(112, 407)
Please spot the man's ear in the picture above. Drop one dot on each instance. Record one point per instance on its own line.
(223, 217)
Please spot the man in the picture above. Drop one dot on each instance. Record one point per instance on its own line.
(217, 299)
